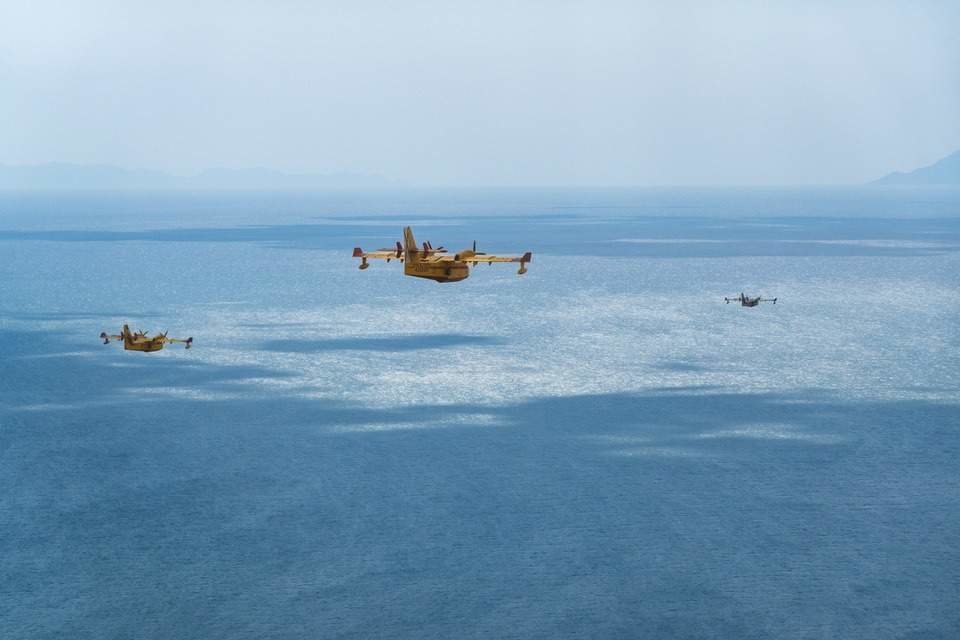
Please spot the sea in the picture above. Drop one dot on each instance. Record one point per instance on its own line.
(600, 448)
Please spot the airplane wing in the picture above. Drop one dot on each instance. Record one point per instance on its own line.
(488, 258)
(379, 254)
(188, 341)
(382, 254)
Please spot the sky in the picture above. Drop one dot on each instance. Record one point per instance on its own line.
(486, 93)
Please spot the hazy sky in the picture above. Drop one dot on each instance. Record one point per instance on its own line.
(486, 93)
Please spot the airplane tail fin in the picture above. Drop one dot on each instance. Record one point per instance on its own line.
(409, 243)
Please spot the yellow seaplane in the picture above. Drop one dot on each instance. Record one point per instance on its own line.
(140, 341)
(436, 264)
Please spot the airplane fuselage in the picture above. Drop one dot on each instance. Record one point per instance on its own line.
(133, 344)
(437, 271)
(140, 342)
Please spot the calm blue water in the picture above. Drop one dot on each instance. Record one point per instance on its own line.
(600, 448)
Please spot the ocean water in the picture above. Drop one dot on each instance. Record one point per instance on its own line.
(600, 448)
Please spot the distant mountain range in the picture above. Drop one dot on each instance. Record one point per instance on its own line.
(57, 175)
(943, 172)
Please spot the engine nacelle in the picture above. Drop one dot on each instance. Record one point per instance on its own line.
(466, 253)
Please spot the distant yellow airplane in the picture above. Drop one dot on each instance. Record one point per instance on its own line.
(747, 301)
(436, 264)
(140, 342)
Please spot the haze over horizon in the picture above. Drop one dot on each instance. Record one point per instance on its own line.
(448, 94)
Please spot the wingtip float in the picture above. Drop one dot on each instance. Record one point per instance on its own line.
(140, 341)
(436, 264)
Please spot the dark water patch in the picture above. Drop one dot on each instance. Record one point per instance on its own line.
(53, 316)
(582, 495)
(252, 233)
(42, 368)
(657, 237)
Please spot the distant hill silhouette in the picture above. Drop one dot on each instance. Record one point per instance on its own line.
(56, 175)
(943, 172)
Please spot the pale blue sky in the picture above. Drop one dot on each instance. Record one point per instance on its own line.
(487, 93)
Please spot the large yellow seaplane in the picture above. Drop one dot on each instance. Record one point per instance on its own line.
(436, 264)
(139, 341)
